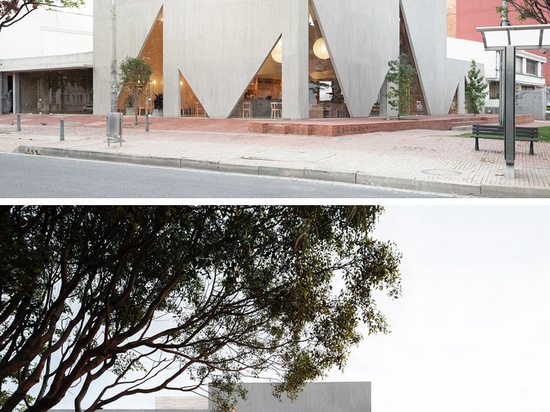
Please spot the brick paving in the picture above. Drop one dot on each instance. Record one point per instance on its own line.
(421, 159)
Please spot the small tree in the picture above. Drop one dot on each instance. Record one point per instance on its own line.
(400, 78)
(11, 11)
(476, 89)
(135, 75)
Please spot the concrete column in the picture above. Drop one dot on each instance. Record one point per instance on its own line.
(2, 93)
(172, 92)
(16, 92)
(386, 110)
(296, 62)
(510, 105)
(461, 98)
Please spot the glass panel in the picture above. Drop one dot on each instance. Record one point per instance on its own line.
(265, 88)
(523, 38)
(62, 91)
(496, 38)
(326, 98)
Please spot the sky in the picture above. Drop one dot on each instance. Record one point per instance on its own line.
(471, 331)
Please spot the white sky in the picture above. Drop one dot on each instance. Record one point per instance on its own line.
(472, 329)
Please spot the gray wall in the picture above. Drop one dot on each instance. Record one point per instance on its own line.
(316, 397)
(531, 102)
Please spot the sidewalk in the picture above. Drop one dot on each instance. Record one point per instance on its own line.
(425, 160)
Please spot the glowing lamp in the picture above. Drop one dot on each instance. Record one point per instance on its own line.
(320, 49)
(277, 52)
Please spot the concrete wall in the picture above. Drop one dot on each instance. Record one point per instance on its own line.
(439, 76)
(531, 102)
(219, 45)
(316, 397)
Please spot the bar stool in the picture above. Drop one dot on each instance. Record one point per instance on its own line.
(276, 109)
(247, 109)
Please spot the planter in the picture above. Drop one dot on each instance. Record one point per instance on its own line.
(157, 113)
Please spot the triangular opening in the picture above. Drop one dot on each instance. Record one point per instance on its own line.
(190, 104)
(263, 95)
(326, 98)
(454, 105)
(418, 102)
(152, 53)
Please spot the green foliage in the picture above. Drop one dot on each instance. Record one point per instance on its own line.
(476, 89)
(135, 74)
(12, 11)
(140, 296)
(400, 79)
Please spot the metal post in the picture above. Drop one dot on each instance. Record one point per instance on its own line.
(510, 108)
(61, 129)
(500, 62)
(147, 122)
(114, 85)
(18, 122)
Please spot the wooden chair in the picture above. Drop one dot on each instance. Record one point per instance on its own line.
(247, 109)
(276, 110)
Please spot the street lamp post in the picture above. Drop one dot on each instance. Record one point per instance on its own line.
(114, 86)
(508, 39)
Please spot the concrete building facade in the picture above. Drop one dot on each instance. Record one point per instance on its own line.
(224, 58)
(46, 62)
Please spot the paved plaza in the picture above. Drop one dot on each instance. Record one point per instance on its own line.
(440, 161)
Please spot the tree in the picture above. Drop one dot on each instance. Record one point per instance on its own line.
(400, 78)
(135, 75)
(12, 11)
(538, 10)
(476, 89)
(128, 300)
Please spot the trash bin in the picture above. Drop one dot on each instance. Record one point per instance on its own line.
(114, 128)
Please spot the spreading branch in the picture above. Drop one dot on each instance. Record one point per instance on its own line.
(133, 300)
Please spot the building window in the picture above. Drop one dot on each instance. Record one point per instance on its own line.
(494, 90)
(531, 67)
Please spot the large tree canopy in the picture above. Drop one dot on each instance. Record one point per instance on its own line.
(99, 303)
(11, 11)
(538, 10)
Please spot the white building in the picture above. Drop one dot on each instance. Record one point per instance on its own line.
(530, 76)
(46, 61)
(224, 58)
(214, 57)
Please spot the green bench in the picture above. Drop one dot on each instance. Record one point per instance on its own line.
(488, 131)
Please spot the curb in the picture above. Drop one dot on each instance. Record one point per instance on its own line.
(361, 178)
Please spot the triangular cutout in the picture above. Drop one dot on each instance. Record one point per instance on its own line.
(190, 104)
(263, 95)
(152, 53)
(418, 101)
(326, 95)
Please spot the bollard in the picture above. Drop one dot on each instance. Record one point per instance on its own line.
(147, 122)
(61, 129)
(18, 122)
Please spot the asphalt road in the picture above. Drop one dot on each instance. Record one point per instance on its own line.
(38, 177)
